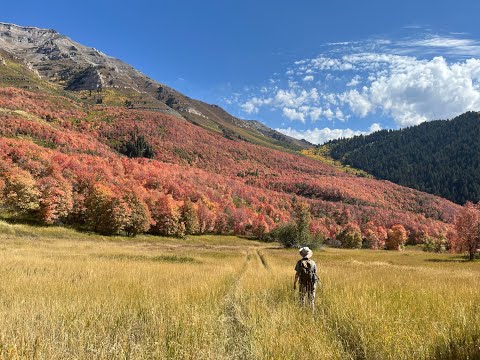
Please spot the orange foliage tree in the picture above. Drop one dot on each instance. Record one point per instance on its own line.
(20, 193)
(467, 225)
(166, 217)
(56, 199)
(396, 237)
(375, 236)
(139, 217)
(107, 213)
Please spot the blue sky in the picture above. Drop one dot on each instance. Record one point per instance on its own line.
(312, 69)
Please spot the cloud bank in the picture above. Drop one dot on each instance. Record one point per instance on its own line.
(320, 136)
(404, 82)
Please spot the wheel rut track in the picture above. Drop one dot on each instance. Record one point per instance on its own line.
(237, 345)
(263, 260)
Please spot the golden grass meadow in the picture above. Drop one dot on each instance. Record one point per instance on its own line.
(70, 295)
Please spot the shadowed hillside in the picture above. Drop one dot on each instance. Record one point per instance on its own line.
(438, 157)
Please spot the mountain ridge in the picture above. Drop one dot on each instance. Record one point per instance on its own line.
(75, 67)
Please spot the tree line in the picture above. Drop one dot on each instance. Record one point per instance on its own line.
(439, 157)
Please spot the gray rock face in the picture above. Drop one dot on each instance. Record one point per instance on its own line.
(57, 58)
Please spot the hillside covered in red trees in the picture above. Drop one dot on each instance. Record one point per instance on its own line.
(64, 162)
(104, 148)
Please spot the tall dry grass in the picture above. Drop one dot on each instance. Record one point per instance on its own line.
(68, 295)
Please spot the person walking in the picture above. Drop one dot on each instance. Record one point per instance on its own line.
(306, 276)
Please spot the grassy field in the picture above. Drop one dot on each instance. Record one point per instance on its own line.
(68, 295)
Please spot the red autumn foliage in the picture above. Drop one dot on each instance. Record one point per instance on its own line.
(376, 236)
(165, 215)
(467, 226)
(67, 169)
(260, 226)
(396, 237)
(56, 200)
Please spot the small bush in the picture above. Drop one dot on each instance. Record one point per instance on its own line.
(350, 239)
(432, 244)
(333, 242)
(288, 236)
(285, 234)
(314, 241)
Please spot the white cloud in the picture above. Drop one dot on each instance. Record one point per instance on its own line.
(449, 44)
(320, 136)
(328, 113)
(293, 114)
(416, 91)
(368, 61)
(374, 127)
(295, 98)
(339, 114)
(409, 81)
(253, 105)
(287, 98)
(355, 81)
(315, 114)
(438, 41)
(326, 63)
(359, 104)
(249, 107)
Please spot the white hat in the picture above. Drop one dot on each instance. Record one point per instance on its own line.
(305, 252)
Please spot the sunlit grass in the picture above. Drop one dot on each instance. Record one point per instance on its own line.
(323, 154)
(65, 294)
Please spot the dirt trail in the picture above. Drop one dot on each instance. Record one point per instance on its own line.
(263, 260)
(238, 344)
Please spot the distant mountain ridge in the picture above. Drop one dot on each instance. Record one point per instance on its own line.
(75, 67)
(439, 157)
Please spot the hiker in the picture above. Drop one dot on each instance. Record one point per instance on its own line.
(306, 275)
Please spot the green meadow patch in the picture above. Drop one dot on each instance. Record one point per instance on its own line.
(158, 258)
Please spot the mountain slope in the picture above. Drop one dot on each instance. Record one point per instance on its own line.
(65, 159)
(75, 67)
(49, 136)
(438, 157)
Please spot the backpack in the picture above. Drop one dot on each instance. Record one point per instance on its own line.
(306, 272)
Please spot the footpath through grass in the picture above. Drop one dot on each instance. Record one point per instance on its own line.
(67, 295)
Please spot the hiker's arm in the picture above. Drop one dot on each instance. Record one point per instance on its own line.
(295, 281)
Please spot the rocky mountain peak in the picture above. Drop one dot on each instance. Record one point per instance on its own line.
(58, 59)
